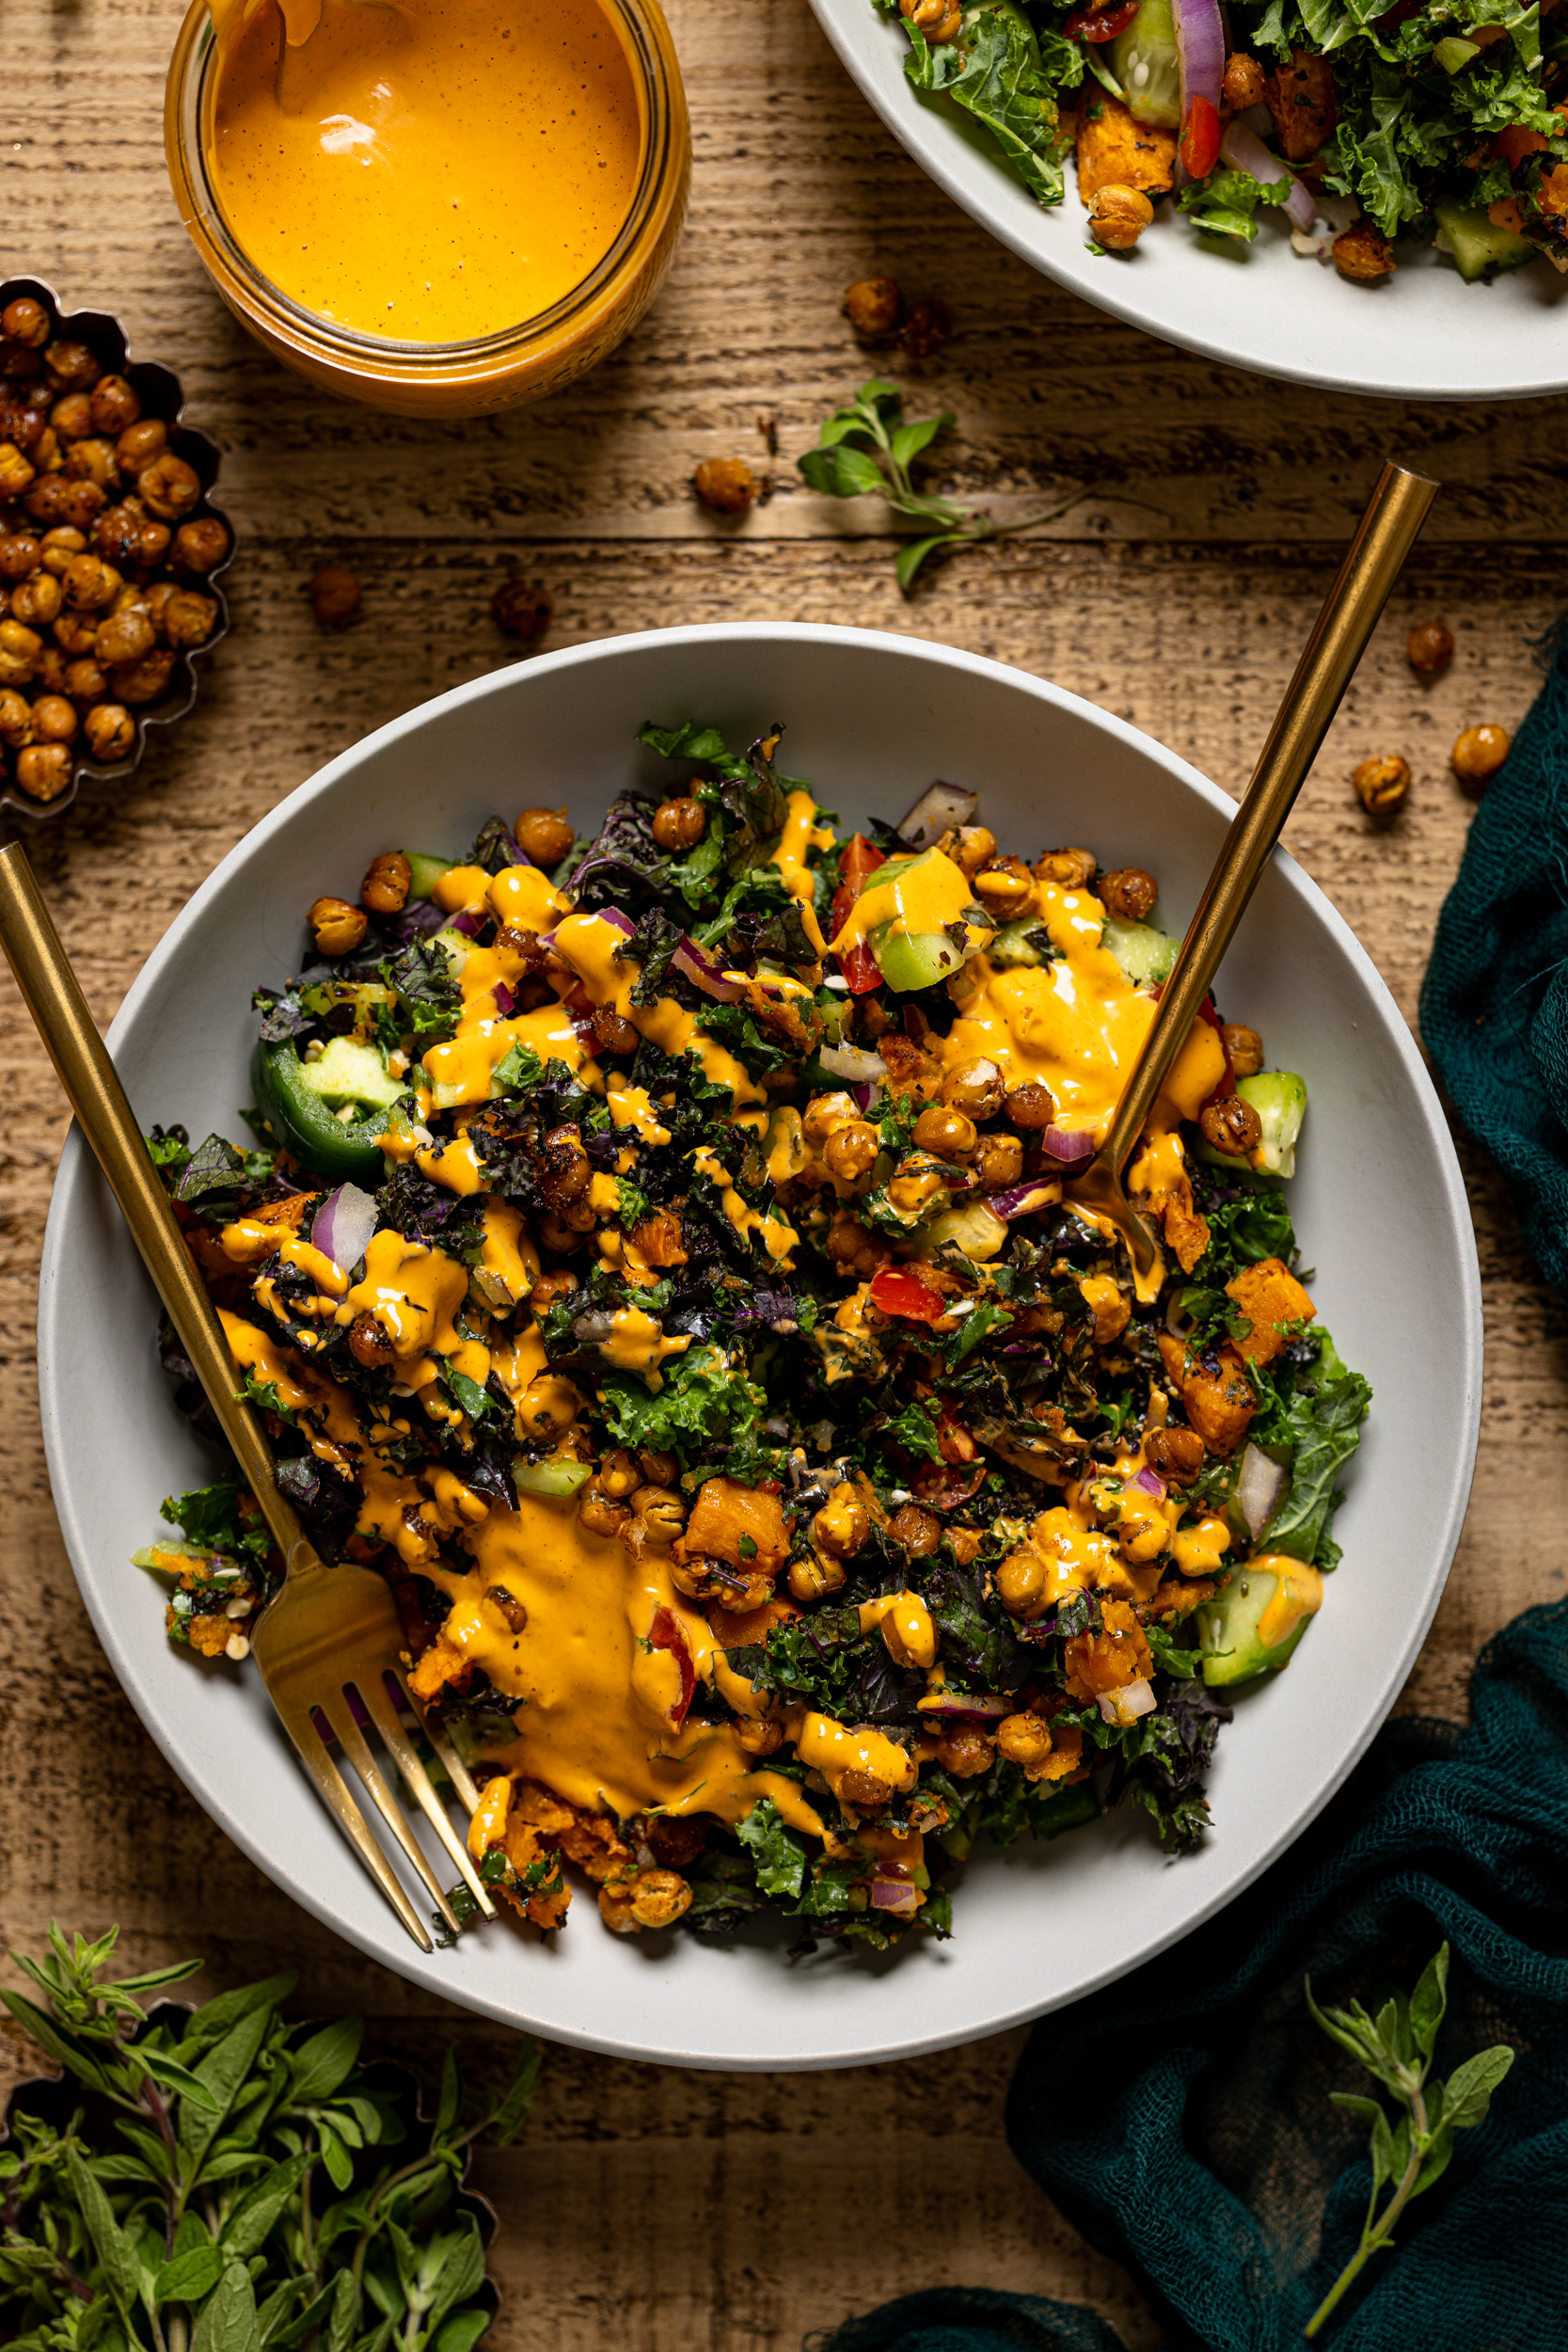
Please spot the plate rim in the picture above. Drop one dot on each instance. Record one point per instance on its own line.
(75, 1166)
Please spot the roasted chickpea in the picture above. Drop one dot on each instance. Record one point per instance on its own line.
(43, 770)
(1245, 1047)
(188, 618)
(114, 404)
(975, 1087)
(757, 1736)
(335, 595)
(866, 1791)
(93, 460)
(200, 547)
(338, 927)
(75, 633)
(843, 1525)
(368, 1343)
(679, 825)
(59, 547)
(1242, 83)
(948, 1133)
(54, 720)
(965, 1753)
(975, 846)
(726, 485)
(543, 834)
(1429, 648)
(659, 1469)
(928, 324)
(124, 636)
(511, 1612)
(387, 878)
(1129, 894)
(16, 719)
(1023, 1739)
(601, 1513)
(1175, 1454)
(612, 1034)
(999, 1161)
(660, 1899)
(1478, 754)
(50, 677)
(20, 649)
(918, 1532)
(619, 1475)
(111, 733)
(90, 584)
(128, 539)
(1004, 888)
(661, 1511)
(168, 488)
(1118, 216)
(141, 445)
(1032, 1107)
(72, 417)
(1363, 252)
(825, 1112)
(523, 609)
(873, 306)
(550, 1289)
(72, 366)
(20, 554)
(1382, 786)
(86, 681)
(855, 1249)
(16, 473)
(851, 1151)
(139, 683)
(815, 1580)
(1231, 1126)
(36, 601)
(25, 322)
(916, 1187)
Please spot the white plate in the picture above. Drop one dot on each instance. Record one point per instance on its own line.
(1379, 1203)
(1423, 335)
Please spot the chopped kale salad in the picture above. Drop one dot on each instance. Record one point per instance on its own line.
(1438, 121)
(657, 1254)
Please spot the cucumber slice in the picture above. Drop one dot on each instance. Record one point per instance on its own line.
(456, 945)
(1146, 955)
(427, 871)
(555, 1476)
(1146, 62)
(1013, 943)
(1279, 1097)
(913, 960)
(1227, 1636)
(348, 1074)
(1479, 247)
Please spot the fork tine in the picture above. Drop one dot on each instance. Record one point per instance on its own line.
(373, 1697)
(462, 1779)
(356, 1748)
(323, 1772)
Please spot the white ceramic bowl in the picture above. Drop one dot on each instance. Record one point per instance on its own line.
(1422, 335)
(1379, 1203)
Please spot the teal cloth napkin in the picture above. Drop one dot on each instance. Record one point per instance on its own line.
(1182, 2118)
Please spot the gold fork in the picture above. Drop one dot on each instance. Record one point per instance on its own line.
(330, 1642)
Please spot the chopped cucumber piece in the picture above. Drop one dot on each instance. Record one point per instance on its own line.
(554, 1477)
(912, 960)
(1146, 62)
(456, 945)
(974, 1228)
(1146, 955)
(1227, 1636)
(351, 1074)
(1479, 247)
(1015, 943)
(1279, 1097)
(427, 871)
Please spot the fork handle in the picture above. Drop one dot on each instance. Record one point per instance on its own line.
(53, 996)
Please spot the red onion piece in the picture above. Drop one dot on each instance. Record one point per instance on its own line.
(894, 1894)
(506, 1003)
(1018, 1200)
(1259, 1485)
(940, 807)
(951, 1705)
(853, 1064)
(343, 1226)
(470, 921)
(700, 970)
(1200, 47)
(865, 1096)
(1245, 151)
(1069, 1147)
(1151, 1482)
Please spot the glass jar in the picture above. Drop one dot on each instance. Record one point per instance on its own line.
(458, 379)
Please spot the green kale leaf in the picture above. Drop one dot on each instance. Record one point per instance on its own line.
(1319, 1417)
(1225, 203)
(779, 1854)
(706, 1398)
(209, 1516)
(995, 73)
(429, 997)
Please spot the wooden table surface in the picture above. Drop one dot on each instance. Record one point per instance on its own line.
(647, 2205)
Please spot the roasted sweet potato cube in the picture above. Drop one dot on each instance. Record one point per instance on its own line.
(1270, 1296)
(1219, 1403)
(1302, 99)
(741, 1524)
(1113, 150)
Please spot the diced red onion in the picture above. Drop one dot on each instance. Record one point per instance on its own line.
(1069, 1147)
(939, 807)
(948, 1705)
(1151, 1482)
(894, 1894)
(864, 1095)
(853, 1064)
(343, 1226)
(1018, 1200)
(506, 1003)
(700, 970)
(1126, 1704)
(617, 921)
(470, 921)
(1245, 151)
(1259, 1485)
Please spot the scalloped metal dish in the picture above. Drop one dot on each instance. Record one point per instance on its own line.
(1421, 335)
(161, 396)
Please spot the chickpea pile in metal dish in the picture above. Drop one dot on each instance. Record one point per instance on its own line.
(658, 1254)
(104, 559)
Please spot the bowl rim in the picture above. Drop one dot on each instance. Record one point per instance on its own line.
(1466, 1335)
(989, 196)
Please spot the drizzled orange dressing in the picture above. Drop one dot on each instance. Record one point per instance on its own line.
(429, 170)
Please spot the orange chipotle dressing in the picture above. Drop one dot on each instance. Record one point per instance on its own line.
(429, 170)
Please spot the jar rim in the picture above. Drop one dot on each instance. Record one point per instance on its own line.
(646, 43)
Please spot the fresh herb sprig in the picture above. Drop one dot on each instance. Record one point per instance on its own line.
(867, 448)
(1396, 2046)
(223, 2187)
